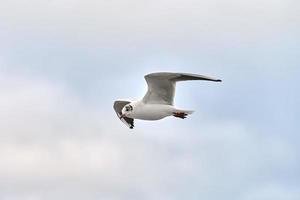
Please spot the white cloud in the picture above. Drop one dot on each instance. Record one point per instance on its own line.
(54, 146)
(142, 22)
(272, 191)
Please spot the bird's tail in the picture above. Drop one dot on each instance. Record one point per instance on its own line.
(189, 112)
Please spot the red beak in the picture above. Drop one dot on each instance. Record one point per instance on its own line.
(122, 116)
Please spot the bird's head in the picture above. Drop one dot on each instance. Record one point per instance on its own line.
(127, 111)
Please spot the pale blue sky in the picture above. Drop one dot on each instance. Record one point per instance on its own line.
(63, 63)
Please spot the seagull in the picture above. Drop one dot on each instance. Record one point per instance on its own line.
(158, 102)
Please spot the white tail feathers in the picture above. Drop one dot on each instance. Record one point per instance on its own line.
(189, 112)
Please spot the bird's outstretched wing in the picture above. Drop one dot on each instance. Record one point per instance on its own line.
(161, 86)
(118, 106)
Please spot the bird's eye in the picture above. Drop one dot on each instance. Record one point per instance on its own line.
(128, 108)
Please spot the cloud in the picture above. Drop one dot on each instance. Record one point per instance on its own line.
(55, 146)
(118, 23)
(63, 63)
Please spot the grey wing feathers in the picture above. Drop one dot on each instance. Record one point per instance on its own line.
(118, 106)
(161, 86)
(180, 76)
(187, 77)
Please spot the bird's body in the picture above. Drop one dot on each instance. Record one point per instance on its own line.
(153, 111)
(159, 99)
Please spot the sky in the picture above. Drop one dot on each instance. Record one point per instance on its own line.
(63, 63)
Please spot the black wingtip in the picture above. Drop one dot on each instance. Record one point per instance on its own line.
(218, 80)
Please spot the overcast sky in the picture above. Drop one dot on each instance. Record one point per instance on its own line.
(64, 62)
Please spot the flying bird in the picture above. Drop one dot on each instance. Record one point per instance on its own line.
(158, 102)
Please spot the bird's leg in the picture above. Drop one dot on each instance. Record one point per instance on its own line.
(181, 115)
